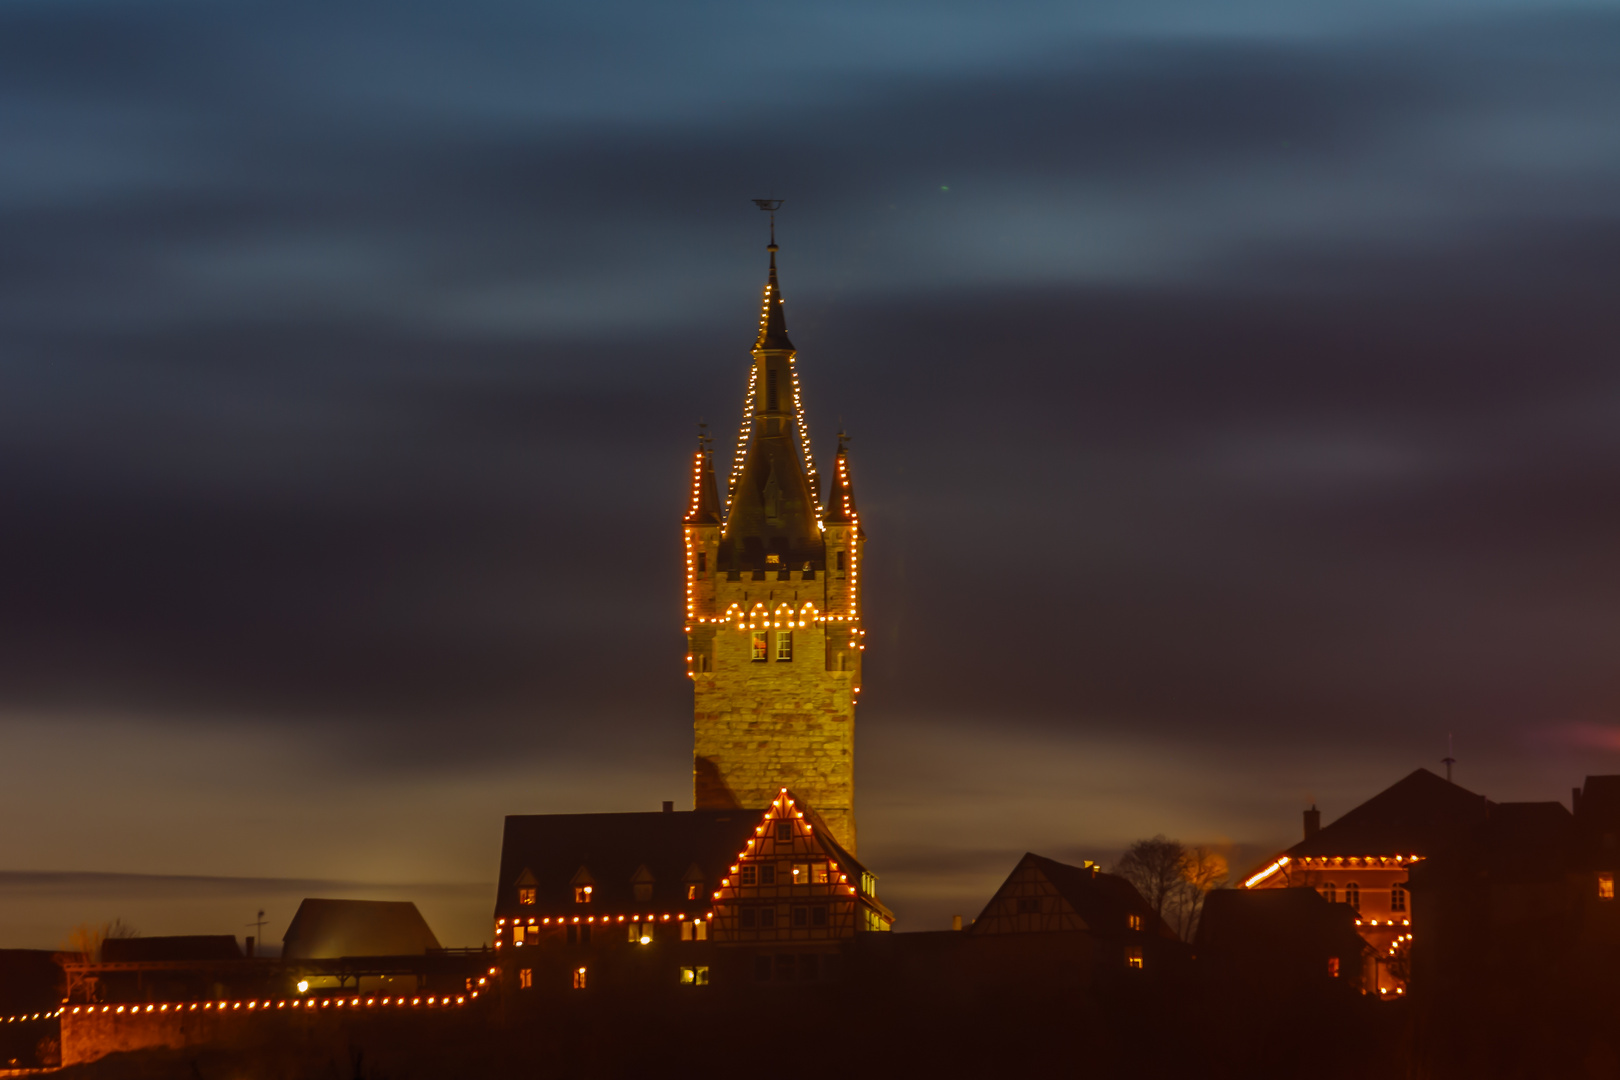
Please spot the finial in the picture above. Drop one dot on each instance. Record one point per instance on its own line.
(770, 206)
(703, 435)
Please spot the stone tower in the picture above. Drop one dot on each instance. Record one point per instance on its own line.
(773, 605)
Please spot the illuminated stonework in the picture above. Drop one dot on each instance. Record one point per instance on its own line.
(773, 604)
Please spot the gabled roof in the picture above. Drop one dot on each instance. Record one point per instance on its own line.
(1414, 816)
(1102, 901)
(184, 947)
(326, 929)
(610, 849)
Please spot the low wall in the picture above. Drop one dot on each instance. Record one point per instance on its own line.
(90, 1032)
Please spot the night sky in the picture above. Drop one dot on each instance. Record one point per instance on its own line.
(1232, 387)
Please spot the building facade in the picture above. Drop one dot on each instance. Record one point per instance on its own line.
(773, 603)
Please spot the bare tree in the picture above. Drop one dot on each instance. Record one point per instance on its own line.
(1173, 879)
(86, 938)
(1154, 867)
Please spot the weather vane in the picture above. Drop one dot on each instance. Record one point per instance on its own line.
(770, 206)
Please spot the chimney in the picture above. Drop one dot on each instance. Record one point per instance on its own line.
(669, 807)
(250, 946)
(1313, 821)
(956, 922)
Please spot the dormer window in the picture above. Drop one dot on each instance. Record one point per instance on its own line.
(525, 896)
(694, 890)
(582, 894)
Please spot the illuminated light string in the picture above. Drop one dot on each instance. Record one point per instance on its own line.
(24, 1018)
(259, 1008)
(743, 435)
(804, 437)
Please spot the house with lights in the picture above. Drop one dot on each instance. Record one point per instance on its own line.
(1363, 860)
(773, 618)
(654, 902)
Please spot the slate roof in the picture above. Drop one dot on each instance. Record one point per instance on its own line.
(326, 929)
(1416, 815)
(156, 949)
(611, 848)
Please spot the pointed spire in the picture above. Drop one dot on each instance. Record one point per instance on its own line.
(772, 323)
(841, 497)
(704, 506)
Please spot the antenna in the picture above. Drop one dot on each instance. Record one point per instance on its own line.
(771, 206)
(1448, 761)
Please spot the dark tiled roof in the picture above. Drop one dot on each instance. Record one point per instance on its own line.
(612, 848)
(772, 334)
(325, 929)
(1238, 919)
(187, 947)
(704, 506)
(1414, 816)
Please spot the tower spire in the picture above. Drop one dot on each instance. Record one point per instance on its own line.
(704, 507)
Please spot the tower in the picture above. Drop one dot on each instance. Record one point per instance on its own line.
(773, 604)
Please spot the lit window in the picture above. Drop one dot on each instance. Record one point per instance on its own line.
(801, 873)
(1133, 922)
(761, 646)
(582, 894)
(1605, 886)
(1397, 899)
(1333, 967)
(773, 560)
(1330, 893)
(525, 896)
(1133, 957)
(767, 874)
(818, 873)
(750, 875)
(784, 645)
(694, 930)
(694, 976)
(517, 935)
(694, 891)
(526, 978)
(1352, 895)
(642, 933)
(784, 830)
(579, 978)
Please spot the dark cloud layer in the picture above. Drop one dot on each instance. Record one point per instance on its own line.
(1233, 386)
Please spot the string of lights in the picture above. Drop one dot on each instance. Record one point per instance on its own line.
(263, 1006)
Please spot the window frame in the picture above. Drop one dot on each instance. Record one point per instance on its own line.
(784, 647)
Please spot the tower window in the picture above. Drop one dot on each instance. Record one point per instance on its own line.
(770, 389)
(840, 562)
(784, 645)
(1397, 899)
(761, 646)
(1352, 895)
(703, 562)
